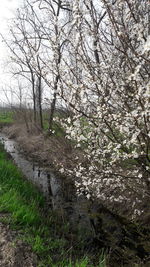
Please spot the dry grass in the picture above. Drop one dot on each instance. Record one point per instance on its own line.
(47, 150)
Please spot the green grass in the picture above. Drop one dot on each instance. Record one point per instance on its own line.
(57, 128)
(6, 116)
(44, 231)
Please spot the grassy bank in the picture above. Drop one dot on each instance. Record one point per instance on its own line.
(51, 240)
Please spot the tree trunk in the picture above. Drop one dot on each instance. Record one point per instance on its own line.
(34, 96)
(53, 105)
(40, 102)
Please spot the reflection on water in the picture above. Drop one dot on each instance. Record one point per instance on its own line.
(59, 192)
(31, 170)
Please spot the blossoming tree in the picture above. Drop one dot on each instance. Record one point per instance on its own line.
(111, 100)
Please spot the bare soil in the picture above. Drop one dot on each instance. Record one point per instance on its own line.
(14, 252)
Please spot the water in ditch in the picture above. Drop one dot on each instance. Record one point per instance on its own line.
(97, 225)
(59, 192)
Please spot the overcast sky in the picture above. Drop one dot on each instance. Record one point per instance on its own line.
(7, 11)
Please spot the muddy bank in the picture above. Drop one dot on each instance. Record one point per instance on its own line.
(5, 124)
(14, 252)
(54, 151)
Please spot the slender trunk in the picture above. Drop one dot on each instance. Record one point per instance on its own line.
(40, 102)
(53, 104)
(34, 96)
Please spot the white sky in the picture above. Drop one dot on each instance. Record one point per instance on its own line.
(7, 11)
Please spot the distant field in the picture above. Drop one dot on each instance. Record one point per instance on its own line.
(6, 116)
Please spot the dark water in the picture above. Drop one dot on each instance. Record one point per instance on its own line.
(60, 193)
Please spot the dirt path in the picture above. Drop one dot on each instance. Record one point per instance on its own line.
(13, 252)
